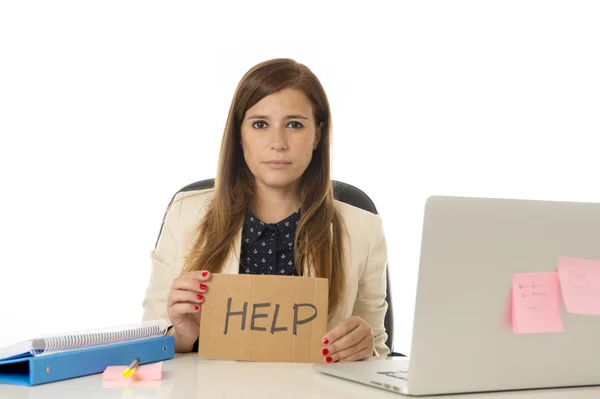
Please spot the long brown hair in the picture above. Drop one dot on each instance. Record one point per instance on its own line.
(320, 232)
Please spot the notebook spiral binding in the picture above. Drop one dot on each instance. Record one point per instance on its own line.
(94, 338)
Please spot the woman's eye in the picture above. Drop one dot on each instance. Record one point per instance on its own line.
(258, 124)
(292, 124)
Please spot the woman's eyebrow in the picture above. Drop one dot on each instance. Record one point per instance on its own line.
(295, 116)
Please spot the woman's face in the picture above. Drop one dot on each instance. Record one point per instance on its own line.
(278, 138)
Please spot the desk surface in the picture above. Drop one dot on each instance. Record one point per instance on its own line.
(188, 376)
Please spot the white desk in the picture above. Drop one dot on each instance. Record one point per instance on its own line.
(188, 376)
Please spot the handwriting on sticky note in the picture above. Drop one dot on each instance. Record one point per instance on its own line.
(536, 303)
(580, 284)
(146, 372)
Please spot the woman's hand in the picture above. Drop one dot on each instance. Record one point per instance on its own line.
(349, 341)
(184, 304)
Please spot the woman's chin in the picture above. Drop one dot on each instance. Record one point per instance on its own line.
(278, 182)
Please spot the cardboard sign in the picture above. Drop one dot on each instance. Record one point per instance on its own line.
(264, 318)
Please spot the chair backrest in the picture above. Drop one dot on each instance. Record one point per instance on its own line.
(351, 195)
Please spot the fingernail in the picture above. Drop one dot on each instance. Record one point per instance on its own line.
(325, 341)
(328, 359)
(204, 274)
(336, 361)
(200, 297)
(325, 351)
(196, 307)
(203, 287)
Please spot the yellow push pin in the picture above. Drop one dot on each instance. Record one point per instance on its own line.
(129, 371)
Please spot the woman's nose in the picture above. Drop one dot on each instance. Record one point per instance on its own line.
(278, 139)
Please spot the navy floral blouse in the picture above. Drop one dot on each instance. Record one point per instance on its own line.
(268, 248)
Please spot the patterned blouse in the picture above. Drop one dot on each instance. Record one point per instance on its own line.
(268, 248)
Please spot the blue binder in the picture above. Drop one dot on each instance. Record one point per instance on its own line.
(32, 370)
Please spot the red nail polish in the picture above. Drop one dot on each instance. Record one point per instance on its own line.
(328, 359)
(196, 307)
(337, 361)
(200, 297)
(203, 287)
(325, 341)
(204, 274)
(325, 351)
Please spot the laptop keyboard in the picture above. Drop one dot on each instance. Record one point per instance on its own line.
(401, 375)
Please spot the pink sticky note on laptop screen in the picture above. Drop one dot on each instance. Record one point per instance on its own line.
(580, 284)
(146, 372)
(536, 303)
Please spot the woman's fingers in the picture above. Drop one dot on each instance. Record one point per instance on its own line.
(362, 355)
(345, 335)
(341, 330)
(189, 284)
(358, 351)
(184, 302)
(182, 296)
(200, 275)
(180, 310)
(347, 341)
(189, 288)
(351, 339)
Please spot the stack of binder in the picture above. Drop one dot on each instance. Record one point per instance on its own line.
(64, 356)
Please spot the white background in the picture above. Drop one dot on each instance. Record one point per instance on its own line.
(108, 107)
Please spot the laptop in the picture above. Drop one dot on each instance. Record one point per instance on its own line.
(463, 340)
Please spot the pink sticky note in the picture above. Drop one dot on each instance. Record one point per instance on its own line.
(580, 284)
(536, 303)
(146, 372)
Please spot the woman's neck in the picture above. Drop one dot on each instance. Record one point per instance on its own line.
(272, 205)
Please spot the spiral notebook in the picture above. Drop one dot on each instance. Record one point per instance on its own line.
(66, 342)
(60, 356)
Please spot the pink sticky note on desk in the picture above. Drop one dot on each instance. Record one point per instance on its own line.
(146, 372)
(536, 303)
(580, 284)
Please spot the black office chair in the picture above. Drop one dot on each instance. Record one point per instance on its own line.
(351, 195)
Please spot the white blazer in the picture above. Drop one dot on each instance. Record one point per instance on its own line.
(366, 262)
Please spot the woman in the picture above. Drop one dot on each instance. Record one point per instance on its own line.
(272, 211)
